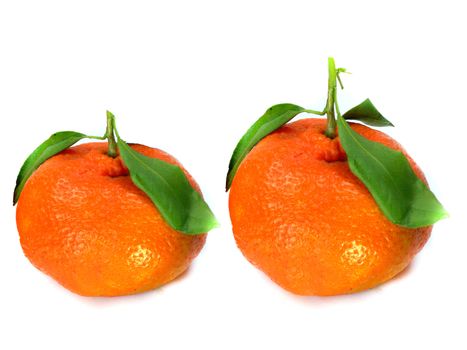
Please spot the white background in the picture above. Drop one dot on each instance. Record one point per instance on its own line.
(190, 77)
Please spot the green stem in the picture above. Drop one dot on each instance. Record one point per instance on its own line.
(338, 112)
(330, 103)
(110, 135)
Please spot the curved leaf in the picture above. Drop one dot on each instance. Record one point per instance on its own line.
(367, 113)
(53, 145)
(166, 185)
(274, 118)
(403, 198)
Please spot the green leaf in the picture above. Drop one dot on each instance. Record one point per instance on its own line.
(55, 144)
(367, 113)
(403, 198)
(166, 185)
(274, 118)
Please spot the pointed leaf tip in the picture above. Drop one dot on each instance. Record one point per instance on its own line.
(367, 113)
(53, 145)
(271, 120)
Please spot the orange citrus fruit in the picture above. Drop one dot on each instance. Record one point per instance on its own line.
(82, 221)
(301, 216)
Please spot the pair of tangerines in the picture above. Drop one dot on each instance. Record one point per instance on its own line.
(318, 212)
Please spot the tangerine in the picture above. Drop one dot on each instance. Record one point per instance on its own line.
(82, 221)
(302, 217)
